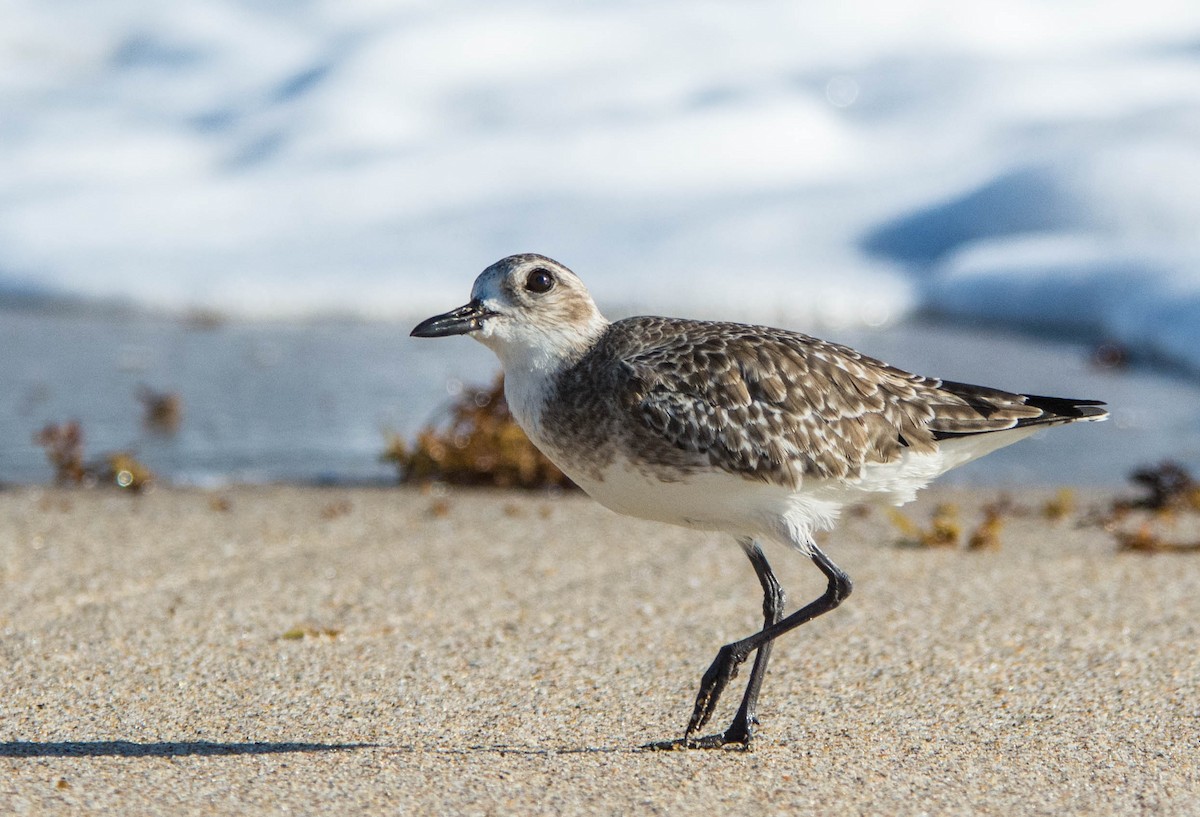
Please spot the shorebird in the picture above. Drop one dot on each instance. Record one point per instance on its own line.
(763, 433)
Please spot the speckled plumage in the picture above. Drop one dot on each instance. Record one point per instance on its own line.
(760, 432)
(763, 403)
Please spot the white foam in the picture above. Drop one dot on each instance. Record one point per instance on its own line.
(829, 164)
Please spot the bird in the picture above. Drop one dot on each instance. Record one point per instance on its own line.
(762, 433)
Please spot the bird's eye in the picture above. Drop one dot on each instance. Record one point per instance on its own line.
(539, 281)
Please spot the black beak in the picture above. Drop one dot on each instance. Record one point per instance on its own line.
(455, 322)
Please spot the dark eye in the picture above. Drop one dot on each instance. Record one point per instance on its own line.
(539, 281)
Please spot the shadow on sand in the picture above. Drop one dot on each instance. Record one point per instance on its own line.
(125, 748)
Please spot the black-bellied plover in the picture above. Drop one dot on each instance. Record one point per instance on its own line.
(762, 433)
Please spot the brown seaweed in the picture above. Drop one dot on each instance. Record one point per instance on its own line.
(478, 443)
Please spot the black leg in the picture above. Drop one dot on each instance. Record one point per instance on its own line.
(774, 599)
(724, 668)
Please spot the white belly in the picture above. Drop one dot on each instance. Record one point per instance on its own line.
(709, 500)
(716, 500)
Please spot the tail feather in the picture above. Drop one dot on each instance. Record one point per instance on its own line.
(999, 410)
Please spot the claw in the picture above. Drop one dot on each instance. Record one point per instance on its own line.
(723, 669)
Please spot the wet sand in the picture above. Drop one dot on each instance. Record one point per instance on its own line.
(270, 650)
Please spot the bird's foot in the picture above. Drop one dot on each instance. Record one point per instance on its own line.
(732, 739)
(723, 669)
(736, 738)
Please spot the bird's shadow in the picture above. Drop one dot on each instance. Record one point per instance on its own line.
(192, 748)
(205, 748)
(534, 750)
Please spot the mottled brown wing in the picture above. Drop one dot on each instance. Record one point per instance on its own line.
(780, 406)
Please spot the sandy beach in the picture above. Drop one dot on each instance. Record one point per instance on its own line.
(271, 650)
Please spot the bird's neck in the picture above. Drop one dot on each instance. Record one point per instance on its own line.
(532, 371)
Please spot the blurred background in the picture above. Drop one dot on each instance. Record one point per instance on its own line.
(247, 203)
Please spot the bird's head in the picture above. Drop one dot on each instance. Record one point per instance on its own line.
(529, 309)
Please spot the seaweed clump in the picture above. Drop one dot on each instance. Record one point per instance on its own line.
(1150, 523)
(63, 445)
(1168, 486)
(480, 444)
(946, 531)
(162, 411)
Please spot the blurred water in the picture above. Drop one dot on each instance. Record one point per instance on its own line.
(311, 402)
(262, 401)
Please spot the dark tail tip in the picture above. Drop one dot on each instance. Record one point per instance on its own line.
(1067, 408)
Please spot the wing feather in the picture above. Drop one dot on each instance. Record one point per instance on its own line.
(780, 406)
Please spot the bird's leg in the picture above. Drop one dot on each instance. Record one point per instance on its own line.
(741, 730)
(731, 656)
(774, 599)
